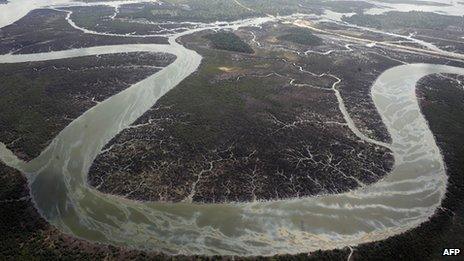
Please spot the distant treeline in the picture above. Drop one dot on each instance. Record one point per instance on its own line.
(414, 19)
(188, 10)
(228, 10)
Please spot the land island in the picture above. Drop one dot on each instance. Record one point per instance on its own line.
(271, 113)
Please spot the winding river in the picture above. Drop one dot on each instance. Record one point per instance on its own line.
(406, 197)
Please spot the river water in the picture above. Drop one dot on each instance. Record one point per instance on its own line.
(406, 197)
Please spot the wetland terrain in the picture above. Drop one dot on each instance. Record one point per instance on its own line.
(213, 129)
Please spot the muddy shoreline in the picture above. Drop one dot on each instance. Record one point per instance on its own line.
(41, 98)
(242, 133)
(425, 242)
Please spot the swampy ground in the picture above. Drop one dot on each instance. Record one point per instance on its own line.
(259, 120)
(26, 235)
(244, 127)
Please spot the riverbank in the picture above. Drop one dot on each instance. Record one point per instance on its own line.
(45, 30)
(246, 127)
(39, 99)
(441, 101)
(25, 235)
(74, 204)
(29, 236)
